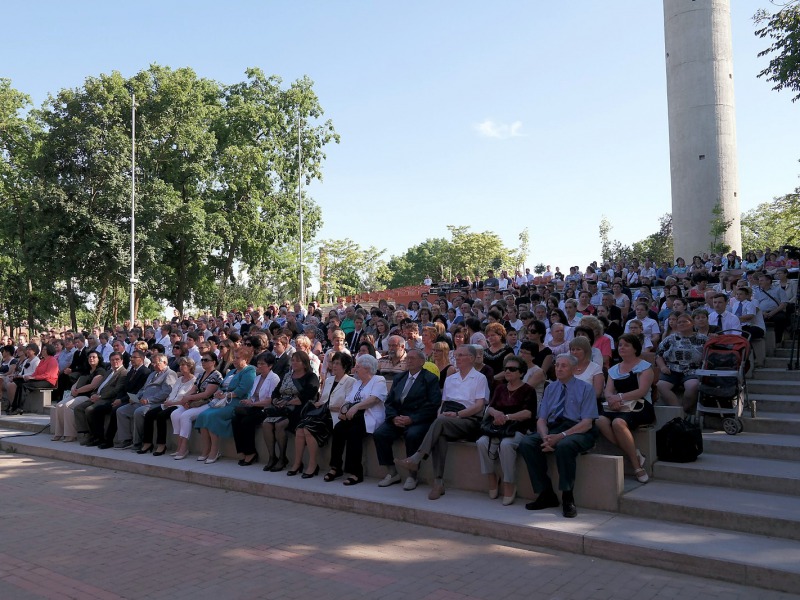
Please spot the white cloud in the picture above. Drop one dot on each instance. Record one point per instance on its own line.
(500, 131)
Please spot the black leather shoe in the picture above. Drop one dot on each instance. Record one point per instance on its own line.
(279, 466)
(546, 499)
(93, 443)
(569, 509)
(314, 473)
(273, 460)
(294, 472)
(105, 446)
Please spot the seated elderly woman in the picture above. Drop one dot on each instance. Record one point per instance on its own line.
(361, 413)
(678, 355)
(628, 404)
(158, 416)
(194, 403)
(215, 423)
(464, 396)
(317, 418)
(25, 369)
(298, 387)
(497, 350)
(512, 408)
(62, 417)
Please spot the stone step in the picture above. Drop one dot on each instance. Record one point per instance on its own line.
(783, 352)
(775, 403)
(727, 555)
(756, 445)
(759, 513)
(772, 386)
(776, 374)
(740, 472)
(773, 422)
(776, 362)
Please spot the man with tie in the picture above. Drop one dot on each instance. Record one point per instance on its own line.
(106, 392)
(748, 313)
(134, 381)
(564, 427)
(354, 337)
(104, 348)
(411, 407)
(723, 319)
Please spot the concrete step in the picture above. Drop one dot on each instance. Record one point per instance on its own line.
(738, 510)
(772, 386)
(773, 422)
(776, 374)
(748, 559)
(755, 445)
(740, 472)
(783, 352)
(776, 362)
(775, 403)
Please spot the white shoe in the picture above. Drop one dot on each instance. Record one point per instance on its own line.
(410, 484)
(509, 500)
(641, 476)
(642, 458)
(390, 479)
(202, 458)
(211, 461)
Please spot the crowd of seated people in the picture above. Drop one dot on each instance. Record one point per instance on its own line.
(511, 363)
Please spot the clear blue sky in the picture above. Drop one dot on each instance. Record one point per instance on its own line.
(498, 115)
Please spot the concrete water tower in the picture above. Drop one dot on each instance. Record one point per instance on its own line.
(702, 122)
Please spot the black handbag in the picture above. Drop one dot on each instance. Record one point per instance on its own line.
(452, 406)
(314, 412)
(507, 429)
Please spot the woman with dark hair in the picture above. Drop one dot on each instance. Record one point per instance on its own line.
(365, 347)
(247, 418)
(298, 387)
(179, 350)
(474, 335)
(195, 402)
(513, 400)
(494, 355)
(316, 423)
(215, 423)
(225, 362)
(628, 404)
(44, 376)
(381, 334)
(62, 416)
(680, 266)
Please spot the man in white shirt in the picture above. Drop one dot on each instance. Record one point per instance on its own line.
(104, 347)
(748, 313)
(650, 326)
(721, 318)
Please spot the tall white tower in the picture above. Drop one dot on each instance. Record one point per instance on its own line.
(702, 122)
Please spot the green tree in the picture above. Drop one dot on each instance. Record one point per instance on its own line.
(472, 253)
(524, 248)
(657, 246)
(719, 225)
(605, 242)
(782, 29)
(772, 224)
(431, 257)
(346, 268)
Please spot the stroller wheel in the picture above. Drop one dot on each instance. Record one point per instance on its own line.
(730, 426)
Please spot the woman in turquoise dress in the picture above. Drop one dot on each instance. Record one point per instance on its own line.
(215, 423)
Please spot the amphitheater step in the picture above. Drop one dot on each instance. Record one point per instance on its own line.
(755, 445)
(773, 422)
(782, 403)
(738, 510)
(773, 386)
(776, 374)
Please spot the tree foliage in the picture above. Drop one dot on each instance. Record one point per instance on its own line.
(345, 268)
(216, 190)
(657, 246)
(772, 224)
(717, 228)
(782, 29)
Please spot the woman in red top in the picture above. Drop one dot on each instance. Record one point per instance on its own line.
(44, 377)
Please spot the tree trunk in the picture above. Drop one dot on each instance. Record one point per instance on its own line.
(181, 295)
(73, 311)
(115, 304)
(137, 296)
(101, 302)
(226, 274)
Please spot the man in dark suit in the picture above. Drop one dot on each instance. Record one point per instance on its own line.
(79, 365)
(354, 337)
(411, 407)
(280, 347)
(134, 381)
(108, 390)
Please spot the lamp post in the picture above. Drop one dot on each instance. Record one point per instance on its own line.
(133, 280)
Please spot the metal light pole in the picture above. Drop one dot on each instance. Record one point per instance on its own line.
(300, 203)
(133, 206)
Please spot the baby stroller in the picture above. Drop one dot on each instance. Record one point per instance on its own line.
(723, 388)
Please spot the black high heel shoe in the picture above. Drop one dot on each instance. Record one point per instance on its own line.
(247, 463)
(273, 460)
(160, 452)
(279, 466)
(310, 475)
(333, 474)
(143, 451)
(294, 472)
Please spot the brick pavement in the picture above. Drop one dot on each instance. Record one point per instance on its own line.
(73, 531)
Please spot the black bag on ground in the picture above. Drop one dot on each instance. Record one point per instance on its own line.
(679, 441)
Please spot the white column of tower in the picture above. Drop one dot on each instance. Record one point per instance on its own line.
(702, 122)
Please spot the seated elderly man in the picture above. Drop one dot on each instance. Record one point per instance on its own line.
(411, 407)
(130, 418)
(394, 361)
(464, 396)
(105, 394)
(564, 427)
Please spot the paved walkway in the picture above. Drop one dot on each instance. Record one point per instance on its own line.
(74, 531)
